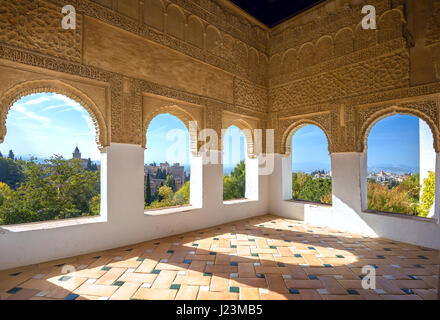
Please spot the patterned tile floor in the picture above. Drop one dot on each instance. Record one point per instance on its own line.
(265, 257)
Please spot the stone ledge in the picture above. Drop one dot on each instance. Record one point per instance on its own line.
(167, 211)
(52, 224)
(238, 201)
(304, 202)
(399, 215)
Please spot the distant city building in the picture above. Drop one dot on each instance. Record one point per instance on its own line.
(77, 155)
(176, 170)
(383, 177)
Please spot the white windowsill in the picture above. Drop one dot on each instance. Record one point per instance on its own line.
(399, 216)
(53, 224)
(310, 203)
(237, 201)
(167, 211)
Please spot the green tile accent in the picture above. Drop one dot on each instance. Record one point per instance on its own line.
(207, 274)
(254, 254)
(106, 268)
(233, 246)
(140, 259)
(155, 271)
(118, 283)
(234, 289)
(175, 287)
(64, 278)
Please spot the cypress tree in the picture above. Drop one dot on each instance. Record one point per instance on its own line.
(148, 190)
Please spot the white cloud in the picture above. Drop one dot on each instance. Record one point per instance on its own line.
(37, 100)
(32, 115)
(90, 123)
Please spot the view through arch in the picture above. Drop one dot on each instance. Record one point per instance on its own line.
(311, 166)
(234, 164)
(401, 166)
(167, 166)
(50, 163)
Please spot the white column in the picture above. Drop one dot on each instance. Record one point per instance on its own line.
(349, 190)
(280, 180)
(252, 179)
(427, 152)
(212, 183)
(125, 182)
(436, 204)
(103, 172)
(427, 156)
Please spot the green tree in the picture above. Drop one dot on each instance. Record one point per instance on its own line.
(5, 192)
(306, 187)
(234, 184)
(11, 155)
(165, 193)
(56, 189)
(148, 190)
(184, 191)
(10, 172)
(95, 205)
(91, 166)
(170, 182)
(428, 195)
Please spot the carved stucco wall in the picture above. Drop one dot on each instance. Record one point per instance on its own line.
(325, 69)
(202, 60)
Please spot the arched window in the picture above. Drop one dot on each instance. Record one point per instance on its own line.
(234, 164)
(311, 166)
(401, 166)
(167, 163)
(50, 163)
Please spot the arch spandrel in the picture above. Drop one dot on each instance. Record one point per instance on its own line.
(289, 132)
(248, 132)
(54, 86)
(180, 114)
(368, 122)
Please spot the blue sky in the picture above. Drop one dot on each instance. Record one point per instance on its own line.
(43, 124)
(310, 150)
(394, 141)
(168, 140)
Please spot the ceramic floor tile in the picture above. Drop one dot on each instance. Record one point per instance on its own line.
(263, 257)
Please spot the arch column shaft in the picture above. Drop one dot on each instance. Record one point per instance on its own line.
(349, 188)
(437, 189)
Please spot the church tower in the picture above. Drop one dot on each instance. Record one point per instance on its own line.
(76, 153)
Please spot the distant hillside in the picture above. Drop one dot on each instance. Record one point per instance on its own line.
(398, 169)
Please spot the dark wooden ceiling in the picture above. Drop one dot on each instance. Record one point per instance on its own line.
(273, 12)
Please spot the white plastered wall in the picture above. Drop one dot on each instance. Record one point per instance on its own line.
(125, 223)
(427, 155)
(347, 212)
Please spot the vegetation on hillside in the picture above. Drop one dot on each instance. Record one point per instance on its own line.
(234, 184)
(52, 190)
(165, 197)
(306, 187)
